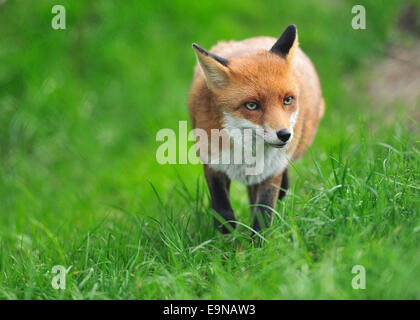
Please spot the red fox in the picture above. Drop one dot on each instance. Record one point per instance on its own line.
(258, 83)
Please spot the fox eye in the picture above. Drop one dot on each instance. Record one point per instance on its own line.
(288, 101)
(251, 105)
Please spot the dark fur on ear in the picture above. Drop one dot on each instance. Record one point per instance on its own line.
(215, 68)
(221, 60)
(285, 42)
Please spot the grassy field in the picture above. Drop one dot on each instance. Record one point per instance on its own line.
(80, 185)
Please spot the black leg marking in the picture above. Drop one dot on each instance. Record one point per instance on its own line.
(284, 184)
(219, 184)
(266, 196)
(252, 193)
(263, 216)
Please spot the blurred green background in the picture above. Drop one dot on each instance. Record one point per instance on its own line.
(79, 113)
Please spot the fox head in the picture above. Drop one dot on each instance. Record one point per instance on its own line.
(256, 91)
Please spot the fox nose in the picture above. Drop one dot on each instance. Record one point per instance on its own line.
(284, 135)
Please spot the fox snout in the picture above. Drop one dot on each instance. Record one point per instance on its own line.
(284, 135)
(277, 139)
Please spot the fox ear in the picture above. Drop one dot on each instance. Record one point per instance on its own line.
(287, 43)
(214, 68)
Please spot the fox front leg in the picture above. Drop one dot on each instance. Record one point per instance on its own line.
(284, 184)
(264, 196)
(219, 184)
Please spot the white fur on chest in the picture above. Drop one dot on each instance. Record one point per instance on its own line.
(274, 161)
(268, 163)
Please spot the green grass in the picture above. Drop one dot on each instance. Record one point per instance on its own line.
(80, 186)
